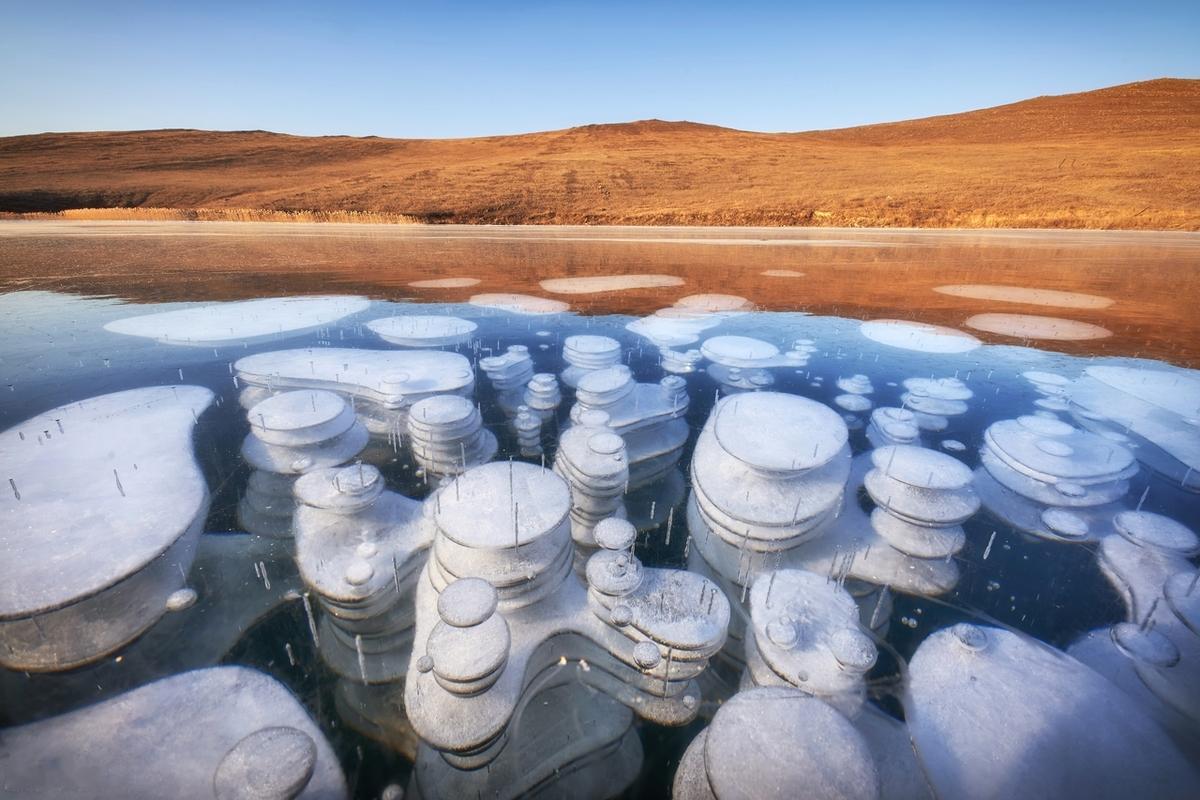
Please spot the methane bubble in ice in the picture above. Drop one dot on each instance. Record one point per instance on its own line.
(359, 548)
(447, 436)
(587, 353)
(224, 733)
(292, 433)
(1028, 326)
(500, 585)
(803, 624)
(777, 743)
(444, 283)
(782, 273)
(993, 714)
(383, 383)
(608, 283)
(934, 401)
(1034, 464)
(674, 327)
(101, 526)
(1027, 296)
(519, 303)
(918, 336)
(1159, 409)
(648, 416)
(243, 321)
(423, 330)
(922, 497)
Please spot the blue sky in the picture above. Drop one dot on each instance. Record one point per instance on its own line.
(469, 69)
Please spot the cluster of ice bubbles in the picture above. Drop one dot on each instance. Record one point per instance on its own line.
(495, 622)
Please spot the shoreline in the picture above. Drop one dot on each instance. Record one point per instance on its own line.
(13, 225)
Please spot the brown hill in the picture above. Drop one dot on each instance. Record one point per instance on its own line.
(1123, 157)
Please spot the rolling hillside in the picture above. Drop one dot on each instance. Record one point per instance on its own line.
(1122, 157)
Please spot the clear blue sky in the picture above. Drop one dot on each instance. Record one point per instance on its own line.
(469, 68)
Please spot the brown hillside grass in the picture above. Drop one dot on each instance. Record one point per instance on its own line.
(1123, 157)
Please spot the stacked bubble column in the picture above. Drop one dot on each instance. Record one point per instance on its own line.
(291, 434)
(1052, 480)
(447, 437)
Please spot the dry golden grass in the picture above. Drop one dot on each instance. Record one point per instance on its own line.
(1123, 157)
(218, 215)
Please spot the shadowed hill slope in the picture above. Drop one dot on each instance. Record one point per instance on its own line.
(1122, 157)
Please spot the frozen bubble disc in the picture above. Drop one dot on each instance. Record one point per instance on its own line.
(478, 509)
(1016, 718)
(467, 602)
(1065, 524)
(782, 743)
(1144, 644)
(918, 336)
(777, 432)
(1148, 529)
(301, 417)
(270, 764)
(737, 351)
(921, 467)
(1182, 591)
(418, 330)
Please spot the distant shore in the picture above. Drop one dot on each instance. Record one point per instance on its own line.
(273, 216)
(1123, 158)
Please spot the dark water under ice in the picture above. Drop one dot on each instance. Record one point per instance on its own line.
(58, 288)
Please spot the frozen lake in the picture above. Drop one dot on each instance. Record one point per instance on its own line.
(543, 500)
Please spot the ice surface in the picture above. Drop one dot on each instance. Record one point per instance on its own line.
(243, 321)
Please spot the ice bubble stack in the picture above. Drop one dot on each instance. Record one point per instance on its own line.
(290, 434)
(805, 632)
(502, 531)
(1159, 409)
(447, 436)
(543, 396)
(382, 384)
(588, 353)
(592, 460)
(934, 400)
(509, 373)
(1051, 479)
(508, 523)
(679, 362)
(648, 416)
(768, 472)
(922, 497)
(739, 363)
(528, 428)
(1155, 656)
(1051, 387)
(360, 549)
(893, 426)
(854, 394)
